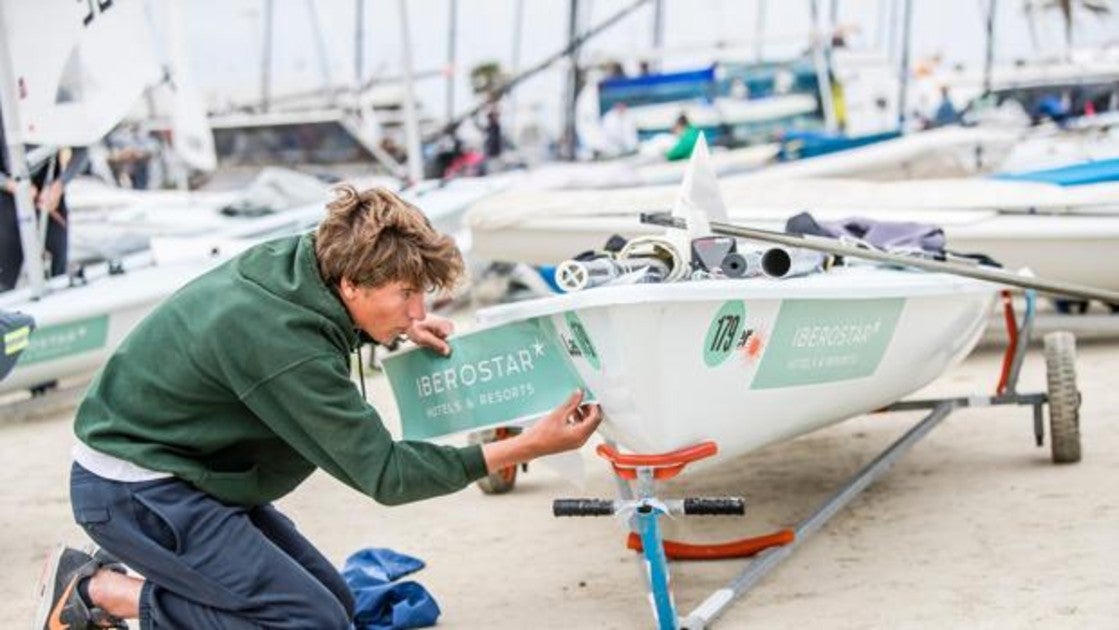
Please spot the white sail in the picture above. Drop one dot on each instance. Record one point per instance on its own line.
(191, 136)
(79, 66)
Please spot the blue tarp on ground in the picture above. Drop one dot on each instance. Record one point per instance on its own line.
(382, 603)
(1080, 174)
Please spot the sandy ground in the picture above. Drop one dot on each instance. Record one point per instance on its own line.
(973, 528)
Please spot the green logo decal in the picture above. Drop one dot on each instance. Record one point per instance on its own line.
(52, 342)
(723, 334)
(821, 341)
(502, 374)
(582, 340)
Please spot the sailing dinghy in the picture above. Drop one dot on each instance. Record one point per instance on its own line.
(750, 361)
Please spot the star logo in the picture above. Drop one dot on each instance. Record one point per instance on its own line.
(538, 348)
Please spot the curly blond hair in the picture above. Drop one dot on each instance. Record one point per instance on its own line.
(373, 237)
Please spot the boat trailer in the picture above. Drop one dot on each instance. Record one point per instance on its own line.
(637, 476)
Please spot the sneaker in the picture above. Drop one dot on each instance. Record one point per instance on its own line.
(61, 607)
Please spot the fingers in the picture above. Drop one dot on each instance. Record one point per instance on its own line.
(570, 405)
(440, 346)
(435, 342)
(576, 413)
(442, 327)
(424, 336)
(584, 421)
(589, 414)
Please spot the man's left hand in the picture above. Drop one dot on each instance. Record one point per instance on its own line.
(432, 332)
(49, 200)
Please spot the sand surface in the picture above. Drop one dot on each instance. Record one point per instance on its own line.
(974, 528)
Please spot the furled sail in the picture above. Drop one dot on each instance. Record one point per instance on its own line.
(191, 136)
(79, 66)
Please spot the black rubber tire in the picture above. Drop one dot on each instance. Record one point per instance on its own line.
(1064, 397)
(499, 481)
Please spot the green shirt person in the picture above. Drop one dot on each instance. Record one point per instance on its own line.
(229, 395)
(686, 137)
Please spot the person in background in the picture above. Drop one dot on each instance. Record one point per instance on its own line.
(178, 461)
(1051, 106)
(493, 141)
(48, 189)
(619, 130)
(686, 137)
(614, 70)
(946, 113)
(130, 154)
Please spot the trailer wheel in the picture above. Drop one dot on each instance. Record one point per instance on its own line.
(505, 479)
(1064, 398)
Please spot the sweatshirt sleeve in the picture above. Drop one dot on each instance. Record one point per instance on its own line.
(315, 408)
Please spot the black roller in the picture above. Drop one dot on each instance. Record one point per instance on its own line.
(582, 507)
(715, 505)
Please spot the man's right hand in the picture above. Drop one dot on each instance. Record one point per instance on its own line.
(566, 427)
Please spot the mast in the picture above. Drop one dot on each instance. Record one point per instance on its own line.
(658, 35)
(518, 28)
(989, 59)
(903, 83)
(17, 165)
(508, 86)
(320, 52)
(452, 74)
(567, 150)
(359, 45)
(411, 123)
(823, 76)
(266, 59)
(759, 33)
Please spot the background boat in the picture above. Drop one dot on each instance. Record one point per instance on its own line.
(1059, 232)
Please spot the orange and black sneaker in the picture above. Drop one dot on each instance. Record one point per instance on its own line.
(61, 605)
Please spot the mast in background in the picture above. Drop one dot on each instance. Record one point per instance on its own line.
(320, 53)
(903, 80)
(266, 59)
(759, 33)
(411, 123)
(452, 50)
(359, 45)
(515, 64)
(567, 148)
(17, 168)
(989, 58)
(823, 73)
(507, 86)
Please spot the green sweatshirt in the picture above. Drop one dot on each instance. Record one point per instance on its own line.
(240, 384)
(682, 150)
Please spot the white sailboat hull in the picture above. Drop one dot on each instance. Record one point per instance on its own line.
(77, 328)
(1073, 230)
(804, 353)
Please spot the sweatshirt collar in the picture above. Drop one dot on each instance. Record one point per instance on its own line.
(327, 301)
